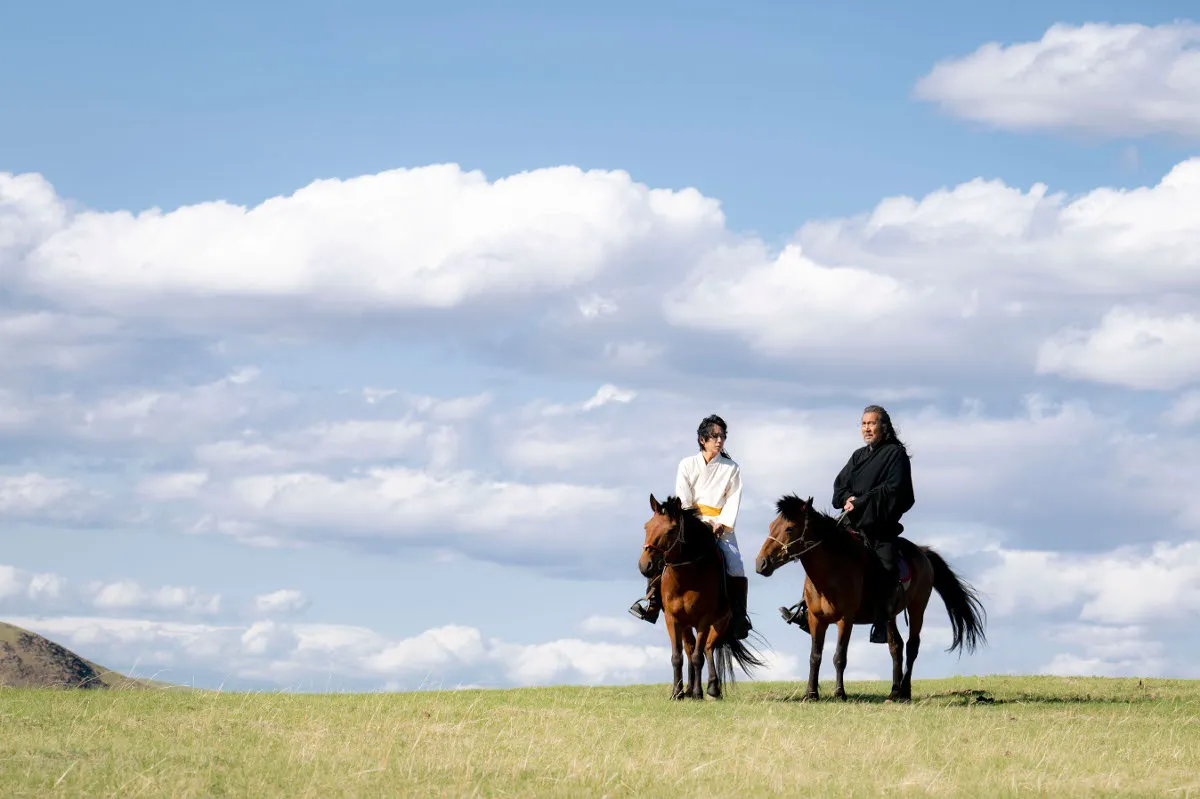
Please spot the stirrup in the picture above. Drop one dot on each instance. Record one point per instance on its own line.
(647, 614)
(797, 614)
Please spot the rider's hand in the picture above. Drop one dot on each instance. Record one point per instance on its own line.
(720, 530)
(849, 506)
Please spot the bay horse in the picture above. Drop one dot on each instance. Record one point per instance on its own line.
(839, 588)
(695, 599)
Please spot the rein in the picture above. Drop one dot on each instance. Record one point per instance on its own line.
(811, 546)
(679, 540)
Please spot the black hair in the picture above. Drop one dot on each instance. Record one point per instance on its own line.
(702, 432)
(889, 429)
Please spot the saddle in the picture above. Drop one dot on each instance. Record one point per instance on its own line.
(905, 573)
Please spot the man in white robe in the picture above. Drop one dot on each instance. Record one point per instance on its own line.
(711, 482)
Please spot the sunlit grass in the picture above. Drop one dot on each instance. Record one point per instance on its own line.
(970, 737)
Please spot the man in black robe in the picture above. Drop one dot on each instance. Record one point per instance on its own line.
(874, 489)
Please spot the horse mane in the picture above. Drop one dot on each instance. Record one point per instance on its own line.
(691, 520)
(824, 526)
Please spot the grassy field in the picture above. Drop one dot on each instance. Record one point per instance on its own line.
(991, 736)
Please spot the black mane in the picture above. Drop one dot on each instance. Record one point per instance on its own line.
(692, 522)
(823, 526)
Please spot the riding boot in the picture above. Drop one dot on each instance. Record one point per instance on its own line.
(889, 577)
(797, 614)
(653, 603)
(879, 629)
(739, 624)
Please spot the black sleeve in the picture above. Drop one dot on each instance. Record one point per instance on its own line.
(841, 485)
(891, 497)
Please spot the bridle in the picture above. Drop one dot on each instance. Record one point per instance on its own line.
(679, 542)
(811, 544)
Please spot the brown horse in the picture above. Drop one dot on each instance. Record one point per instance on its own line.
(695, 600)
(838, 589)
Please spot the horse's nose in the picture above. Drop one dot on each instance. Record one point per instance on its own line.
(763, 566)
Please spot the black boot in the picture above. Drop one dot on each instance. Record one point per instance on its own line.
(797, 615)
(653, 603)
(739, 624)
(879, 630)
(888, 576)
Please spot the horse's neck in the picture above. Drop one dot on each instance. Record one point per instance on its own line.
(823, 563)
(695, 544)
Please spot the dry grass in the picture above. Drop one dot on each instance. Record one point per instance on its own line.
(1035, 736)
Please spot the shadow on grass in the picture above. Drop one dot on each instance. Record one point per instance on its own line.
(965, 698)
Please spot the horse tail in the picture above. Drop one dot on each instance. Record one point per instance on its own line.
(962, 604)
(730, 650)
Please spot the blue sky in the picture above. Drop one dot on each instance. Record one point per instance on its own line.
(192, 400)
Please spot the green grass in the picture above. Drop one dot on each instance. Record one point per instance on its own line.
(989, 736)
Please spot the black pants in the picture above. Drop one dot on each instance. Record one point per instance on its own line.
(885, 551)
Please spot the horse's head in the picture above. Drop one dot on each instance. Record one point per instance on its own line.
(787, 536)
(662, 534)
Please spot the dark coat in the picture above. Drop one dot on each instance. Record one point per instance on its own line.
(881, 481)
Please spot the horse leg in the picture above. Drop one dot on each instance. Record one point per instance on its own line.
(673, 630)
(814, 658)
(714, 676)
(689, 650)
(896, 647)
(916, 618)
(845, 628)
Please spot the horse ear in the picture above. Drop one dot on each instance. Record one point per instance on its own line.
(654, 506)
(808, 507)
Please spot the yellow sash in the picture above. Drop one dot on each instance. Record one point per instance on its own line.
(708, 510)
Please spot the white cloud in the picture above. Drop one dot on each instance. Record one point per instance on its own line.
(934, 281)
(344, 440)
(283, 601)
(42, 499)
(606, 626)
(284, 653)
(503, 518)
(44, 591)
(173, 485)
(127, 595)
(335, 246)
(1105, 651)
(38, 588)
(1185, 409)
(1110, 80)
(1129, 348)
(1127, 585)
(609, 393)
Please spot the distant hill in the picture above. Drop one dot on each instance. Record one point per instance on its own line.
(27, 660)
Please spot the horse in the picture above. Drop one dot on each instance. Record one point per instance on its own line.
(838, 589)
(682, 548)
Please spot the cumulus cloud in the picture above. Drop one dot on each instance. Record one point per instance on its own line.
(281, 654)
(495, 519)
(432, 237)
(128, 595)
(23, 590)
(1108, 80)
(1128, 348)
(1127, 585)
(283, 601)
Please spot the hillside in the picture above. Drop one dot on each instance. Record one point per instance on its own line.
(977, 736)
(27, 660)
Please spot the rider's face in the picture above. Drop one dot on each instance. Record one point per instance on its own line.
(872, 428)
(715, 440)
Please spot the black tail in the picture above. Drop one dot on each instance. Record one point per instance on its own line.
(962, 603)
(729, 650)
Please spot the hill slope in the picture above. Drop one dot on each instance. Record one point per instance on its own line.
(27, 660)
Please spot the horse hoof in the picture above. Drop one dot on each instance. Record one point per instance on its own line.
(840, 695)
(714, 690)
(812, 696)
